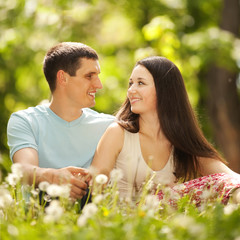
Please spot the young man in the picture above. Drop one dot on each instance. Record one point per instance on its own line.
(48, 139)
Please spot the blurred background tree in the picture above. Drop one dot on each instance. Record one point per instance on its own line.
(201, 37)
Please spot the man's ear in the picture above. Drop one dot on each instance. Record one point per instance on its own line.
(61, 78)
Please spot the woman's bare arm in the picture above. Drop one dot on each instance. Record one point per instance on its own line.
(108, 149)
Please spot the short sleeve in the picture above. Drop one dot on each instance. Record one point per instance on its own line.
(20, 134)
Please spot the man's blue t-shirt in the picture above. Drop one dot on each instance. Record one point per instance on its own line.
(59, 143)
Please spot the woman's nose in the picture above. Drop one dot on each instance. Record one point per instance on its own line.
(132, 88)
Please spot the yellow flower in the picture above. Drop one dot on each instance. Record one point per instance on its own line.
(141, 213)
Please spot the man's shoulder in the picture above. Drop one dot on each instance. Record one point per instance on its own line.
(37, 110)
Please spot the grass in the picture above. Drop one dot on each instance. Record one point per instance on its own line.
(109, 217)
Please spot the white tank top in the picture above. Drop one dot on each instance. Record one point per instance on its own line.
(135, 169)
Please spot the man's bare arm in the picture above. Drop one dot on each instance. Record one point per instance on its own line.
(28, 158)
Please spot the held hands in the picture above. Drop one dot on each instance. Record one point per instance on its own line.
(78, 178)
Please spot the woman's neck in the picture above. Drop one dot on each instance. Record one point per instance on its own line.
(149, 125)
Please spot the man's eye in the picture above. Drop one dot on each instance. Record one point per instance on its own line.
(89, 76)
(130, 84)
(140, 83)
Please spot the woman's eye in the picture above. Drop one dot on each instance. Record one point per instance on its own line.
(140, 83)
(130, 84)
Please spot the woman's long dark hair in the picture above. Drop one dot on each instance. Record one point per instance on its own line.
(176, 116)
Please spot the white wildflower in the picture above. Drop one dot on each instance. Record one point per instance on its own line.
(54, 210)
(149, 185)
(66, 189)
(82, 220)
(179, 187)
(206, 194)
(151, 201)
(35, 192)
(183, 221)
(12, 179)
(196, 229)
(236, 196)
(48, 219)
(230, 208)
(12, 230)
(5, 198)
(165, 230)
(43, 186)
(89, 209)
(116, 174)
(17, 170)
(174, 195)
(98, 198)
(101, 179)
(55, 190)
(47, 198)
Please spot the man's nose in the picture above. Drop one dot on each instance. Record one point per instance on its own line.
(98, 83)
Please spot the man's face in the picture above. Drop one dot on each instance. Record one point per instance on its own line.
(81, 88)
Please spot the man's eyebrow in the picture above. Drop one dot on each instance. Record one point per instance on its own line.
(93, 72)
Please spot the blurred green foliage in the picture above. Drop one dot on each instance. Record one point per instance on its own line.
(122, 31)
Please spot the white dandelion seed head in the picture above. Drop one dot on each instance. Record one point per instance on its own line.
(151, 201)
(12, 230)
(34, 192)
(150, 212)
(196, 229)
(55, 190)
(206, 194)
(48, 219)
(17, 170)
(65, 191)
(116, 174)
(150, 185)
(98, 199)
(5, 201)
(184, 221)
(43, 186)
(101, 179)
(179, 187)
(12, 179)
(230, 208)
(55, 210)
(90, 209)
(82, 220)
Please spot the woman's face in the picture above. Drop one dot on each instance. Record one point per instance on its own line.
(141, 91)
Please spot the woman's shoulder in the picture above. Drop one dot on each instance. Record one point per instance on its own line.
(114, 133)
(115, 128)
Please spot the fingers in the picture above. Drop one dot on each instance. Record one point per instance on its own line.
(78, 188)
(77, 193)
(77, 170)
(79, 183)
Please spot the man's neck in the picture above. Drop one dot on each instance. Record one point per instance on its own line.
(65, 112)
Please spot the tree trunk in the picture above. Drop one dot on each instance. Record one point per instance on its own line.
(223, 99)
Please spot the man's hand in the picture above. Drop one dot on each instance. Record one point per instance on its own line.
(77, 177)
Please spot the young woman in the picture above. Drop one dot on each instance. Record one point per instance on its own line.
(156, 132)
